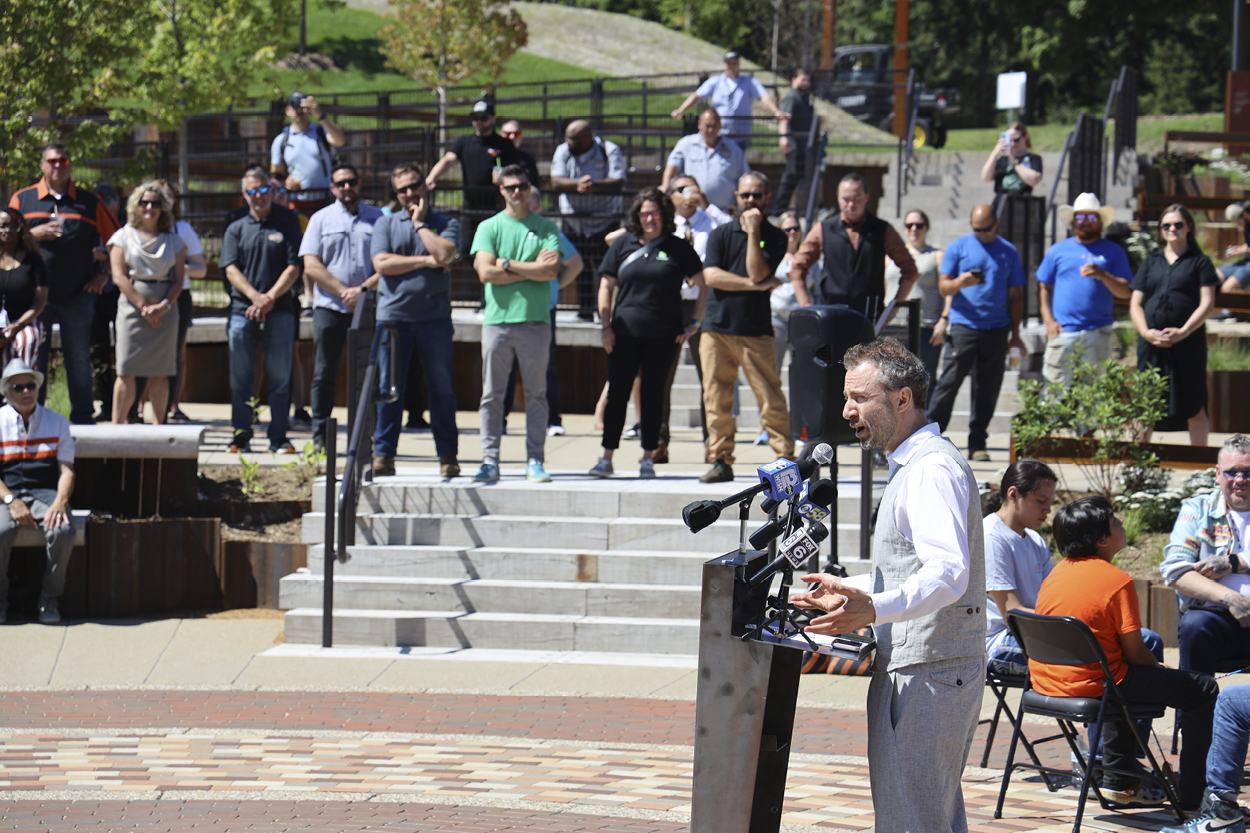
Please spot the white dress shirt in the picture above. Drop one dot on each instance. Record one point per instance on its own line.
(931, 510)
(695, 232)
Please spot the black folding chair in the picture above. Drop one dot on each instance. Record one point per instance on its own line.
(1064, 640)
(999, 683)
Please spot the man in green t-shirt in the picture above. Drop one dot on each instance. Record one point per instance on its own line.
(516, 254)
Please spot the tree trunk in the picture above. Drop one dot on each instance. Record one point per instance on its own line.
(441, 91)
(184, 163)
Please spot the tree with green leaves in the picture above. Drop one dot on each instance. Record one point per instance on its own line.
(59, 64)
(198, 56)
(439, 42)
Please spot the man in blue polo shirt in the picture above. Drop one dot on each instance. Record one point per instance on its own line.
(337, 253)
(1078, 281)
(716, 163)
(986, 277)
(411, 251)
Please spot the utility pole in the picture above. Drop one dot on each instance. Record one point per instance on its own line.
(807, 35)
(303, 27)
(1237, 4)
(901, 12)
(827, 34)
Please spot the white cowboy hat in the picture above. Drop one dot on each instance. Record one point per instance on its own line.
(1084, 204)
(17, 367)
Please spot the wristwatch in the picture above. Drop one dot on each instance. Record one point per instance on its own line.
(9, 498)
(504, 264)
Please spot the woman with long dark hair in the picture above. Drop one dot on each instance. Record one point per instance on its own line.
(23, 289)
(641, 310)
(1173, 294)
(1017, 560)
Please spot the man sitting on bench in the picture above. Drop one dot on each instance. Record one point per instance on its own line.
(36, 480)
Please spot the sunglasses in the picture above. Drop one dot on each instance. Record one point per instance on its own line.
(347, 183)
(650, 214)
(915, 226)
(58, 161)
(517, 189)
(150, 203)
(256, 192)
(686, 189)
(409, 189)
(1236, 474)
(23, 387)
(985, 230)
(1086, 218)
(512, 134)
(479, 117)
(790, 229)
(751, 195)
(1170, 226)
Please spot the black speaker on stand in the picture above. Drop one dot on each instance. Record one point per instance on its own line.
(819, 336)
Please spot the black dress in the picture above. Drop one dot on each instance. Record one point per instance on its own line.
(17, 286)
(1173, 291)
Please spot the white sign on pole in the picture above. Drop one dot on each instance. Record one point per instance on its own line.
(1011, 90)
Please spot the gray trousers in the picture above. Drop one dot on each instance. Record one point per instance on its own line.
(60, 542)
(921, 719)
(529, 344)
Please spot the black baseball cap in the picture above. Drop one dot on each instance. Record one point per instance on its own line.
(484, 106)
(732, 55)
(295, 99)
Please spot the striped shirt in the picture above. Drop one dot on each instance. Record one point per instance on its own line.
(85, 223)
(30, 455)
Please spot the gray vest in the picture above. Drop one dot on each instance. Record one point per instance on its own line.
(956, 630)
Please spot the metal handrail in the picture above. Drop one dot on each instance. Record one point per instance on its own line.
(359, 428)
(1054, 186)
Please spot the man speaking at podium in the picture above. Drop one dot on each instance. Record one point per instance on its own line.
(927, 603)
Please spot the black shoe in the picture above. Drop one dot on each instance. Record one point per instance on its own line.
(634, 431)
(720, 472)
(283, 447)
(302, 420)
(242, 442)
(417, 422)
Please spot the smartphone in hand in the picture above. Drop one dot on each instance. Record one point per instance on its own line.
(978, 274)
(1005, 138)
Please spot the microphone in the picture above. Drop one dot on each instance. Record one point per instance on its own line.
(781, 477)
(815, 499)
(766, 534)
(821, 455)
(703, 513)
(796, 549)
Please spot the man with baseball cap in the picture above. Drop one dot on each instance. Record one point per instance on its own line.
(36, 481)
(302, 153)
(1078, 281)
(732, 95)
(482, 154)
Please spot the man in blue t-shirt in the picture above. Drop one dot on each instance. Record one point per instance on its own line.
(732, 95)
(986, 277)
(1078, 282)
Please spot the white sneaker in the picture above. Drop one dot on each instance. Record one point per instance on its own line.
(646, 470)
(555, 430)
(49, 613)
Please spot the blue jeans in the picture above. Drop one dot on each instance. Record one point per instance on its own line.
(1009, 659)
(75, 317)
(1229, 735)
(278, 338)
(434, 350)
(1206, 636)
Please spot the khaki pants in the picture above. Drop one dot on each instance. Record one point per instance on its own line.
(721, 355)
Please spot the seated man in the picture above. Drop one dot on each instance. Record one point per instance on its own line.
(36, 480)
(1208, 564)
(1085, 585)
(1235, 276)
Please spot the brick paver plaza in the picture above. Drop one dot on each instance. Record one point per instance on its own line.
(354, 761)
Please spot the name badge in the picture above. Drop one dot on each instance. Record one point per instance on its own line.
(276, 237)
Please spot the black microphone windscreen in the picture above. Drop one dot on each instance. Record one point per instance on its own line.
(767, 533)
(700, 514)
(822, 493)
(818, 532)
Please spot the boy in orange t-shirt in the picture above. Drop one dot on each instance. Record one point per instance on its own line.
(1086, 586)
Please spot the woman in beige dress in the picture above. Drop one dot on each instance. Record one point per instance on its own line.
(148, 260)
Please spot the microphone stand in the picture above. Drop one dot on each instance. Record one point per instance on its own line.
(780, 604)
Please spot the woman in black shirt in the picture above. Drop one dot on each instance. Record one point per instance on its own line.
(23, 287)
(640, 307)
(1012, 166)
(1173, 294)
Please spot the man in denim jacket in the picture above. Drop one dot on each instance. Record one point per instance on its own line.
(1207, 561)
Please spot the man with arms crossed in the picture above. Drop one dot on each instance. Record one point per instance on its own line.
(927, 601)
(516, 254)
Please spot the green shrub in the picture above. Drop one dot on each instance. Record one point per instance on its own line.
(1227, 354)
(1109, 406)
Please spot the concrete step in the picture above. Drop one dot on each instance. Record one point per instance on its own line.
(623, 533)
(649, 601)
(517, 631)
(516, 564)
(645, 567)
(571, 494)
